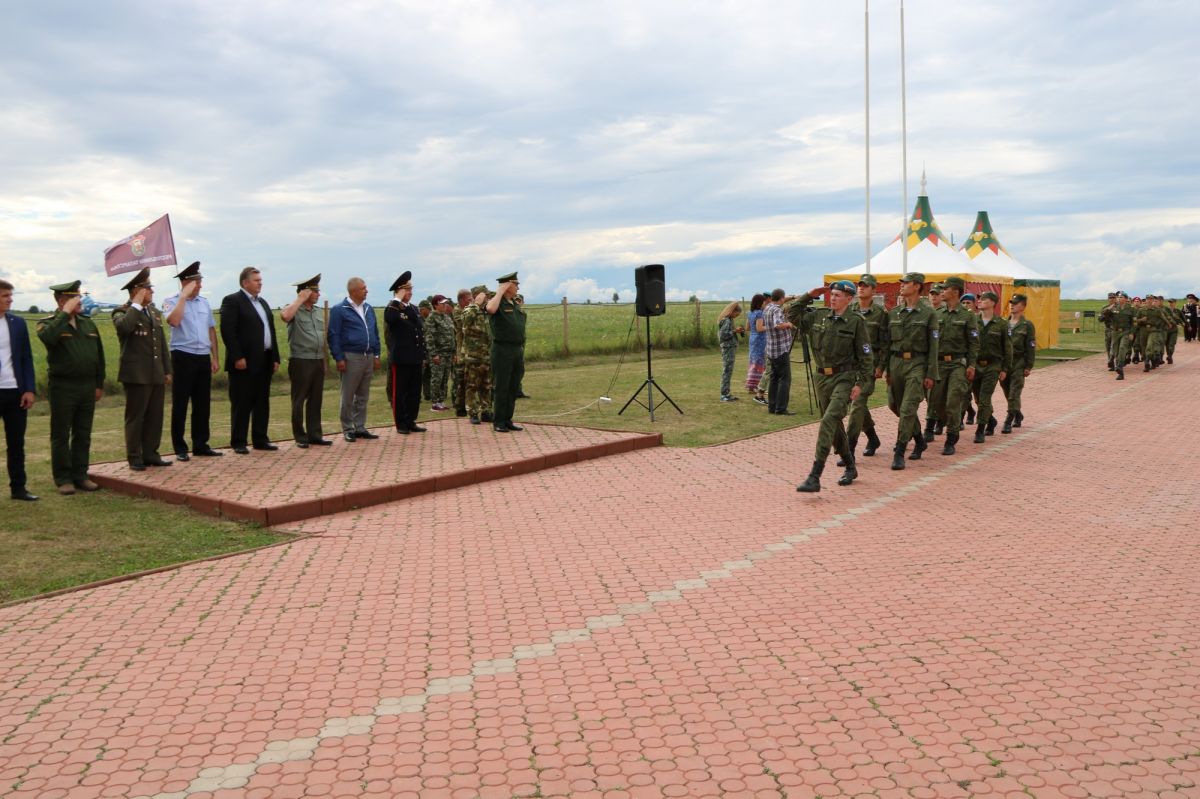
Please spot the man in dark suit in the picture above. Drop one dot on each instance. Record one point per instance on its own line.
(251, 358)
(145, 372)
(406, 344)
(16, 389)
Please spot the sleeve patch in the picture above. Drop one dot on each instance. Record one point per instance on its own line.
(974, 334)
(867, 349)
(935, 334)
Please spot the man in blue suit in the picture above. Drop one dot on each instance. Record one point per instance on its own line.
(16, 390)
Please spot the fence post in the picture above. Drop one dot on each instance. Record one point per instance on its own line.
(698, 340)
(566, 347)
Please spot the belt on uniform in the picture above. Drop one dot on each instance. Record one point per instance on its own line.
(833, 370)
(907, 356)
(950, 357)
(983, 362)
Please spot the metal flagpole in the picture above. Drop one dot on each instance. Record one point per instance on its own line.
(903, 143)
(867, 108)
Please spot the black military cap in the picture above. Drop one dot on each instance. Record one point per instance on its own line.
(70, 289)
(140, 281)
(1193, 297)
(312, 284)
(511, 277)
(402, 282)
(190, 272)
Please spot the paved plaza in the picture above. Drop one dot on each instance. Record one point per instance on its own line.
(1020, 620)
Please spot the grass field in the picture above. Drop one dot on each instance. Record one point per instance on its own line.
(65, 541)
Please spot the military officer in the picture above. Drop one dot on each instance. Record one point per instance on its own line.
(1024, 348)
(145, 372)
(477, 357)
(507, 324)
(195, 358)
(439, 335)
(912, 368)
(958, 350)
(75, 364)
(308, 362)
(843, 362)
(994, 363)
(406, 337)
(876, 320)
(1141, 329)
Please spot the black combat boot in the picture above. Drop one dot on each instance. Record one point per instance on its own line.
(1018, 417)
(979, 433)
(1145, 365)
(1135, 358)
(851, 473)
(841, 461)
(919, 446)
(939, 428)
(929, 423)
(898, 457)
(991, 426)
(951, 440)
(812, 484)
(1008, 423)
(970, 413)
(873, 442)
(1170, 359)
(1111, 368)
(1120, 373)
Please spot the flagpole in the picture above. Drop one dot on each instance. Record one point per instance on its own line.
(903, 143)
(867, 114)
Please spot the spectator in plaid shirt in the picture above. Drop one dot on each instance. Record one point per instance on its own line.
(779, 348)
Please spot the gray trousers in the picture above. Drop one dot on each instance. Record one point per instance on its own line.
(356, 390)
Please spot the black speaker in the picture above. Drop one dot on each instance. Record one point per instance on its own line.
(651, 284)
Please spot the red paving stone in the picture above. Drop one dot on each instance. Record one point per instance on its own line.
(1018, 620)
(322, 480)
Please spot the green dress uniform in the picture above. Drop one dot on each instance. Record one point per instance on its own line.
(75, 364)
(876, 320)
(144, 367)
(1141, 331)
(1174, 320)
(1106, 317)
(1024, 348)
(1121, 318)
(913, 334)
(1156, 342)
(842, 359)
(508, 344)
(477, 361)
(995, 356)
(958, 351)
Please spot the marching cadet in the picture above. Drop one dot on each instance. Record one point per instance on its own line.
(1106, 318)
(968, 304)
(912, 369)
(477, 357)
(145, 372)
(1024, 349)
(507, 321)
(75, 364)
(958, 349)
(1174, 320)
(1121, 318)
(1147, 322)
(843, 362)
(876, 320)
(1141, 329)
(994, 363)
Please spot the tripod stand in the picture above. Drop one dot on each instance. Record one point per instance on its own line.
(649, 385)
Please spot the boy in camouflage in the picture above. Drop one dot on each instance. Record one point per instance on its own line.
(439, 337)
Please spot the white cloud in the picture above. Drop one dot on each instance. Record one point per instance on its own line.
(580, 289)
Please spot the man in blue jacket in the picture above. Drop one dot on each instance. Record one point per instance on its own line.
(16, 390)
(354, 344)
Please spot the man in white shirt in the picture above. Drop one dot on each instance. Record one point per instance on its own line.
(16, 390)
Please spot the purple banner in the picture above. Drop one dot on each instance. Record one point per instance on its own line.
(151, 246)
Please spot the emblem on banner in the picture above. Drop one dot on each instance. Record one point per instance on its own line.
(138, 246)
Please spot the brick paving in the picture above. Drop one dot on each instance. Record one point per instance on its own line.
(322, 480)
(1018, 620)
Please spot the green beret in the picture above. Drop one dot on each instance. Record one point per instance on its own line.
(913, 277)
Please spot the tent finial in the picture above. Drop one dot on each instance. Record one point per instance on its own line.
(924, 193)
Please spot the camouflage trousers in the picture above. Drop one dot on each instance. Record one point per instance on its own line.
(478, 378)
(439, 378)
(833, 394)
(460, 386)
(984, 386)
(727, 356)
(1012, 386)
(946, 398)
(860, 414)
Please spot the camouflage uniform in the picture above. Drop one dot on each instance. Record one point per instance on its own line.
(477, 361)
(439, 337)
(460, 383)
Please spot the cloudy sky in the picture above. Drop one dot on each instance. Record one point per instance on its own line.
(462, 139)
